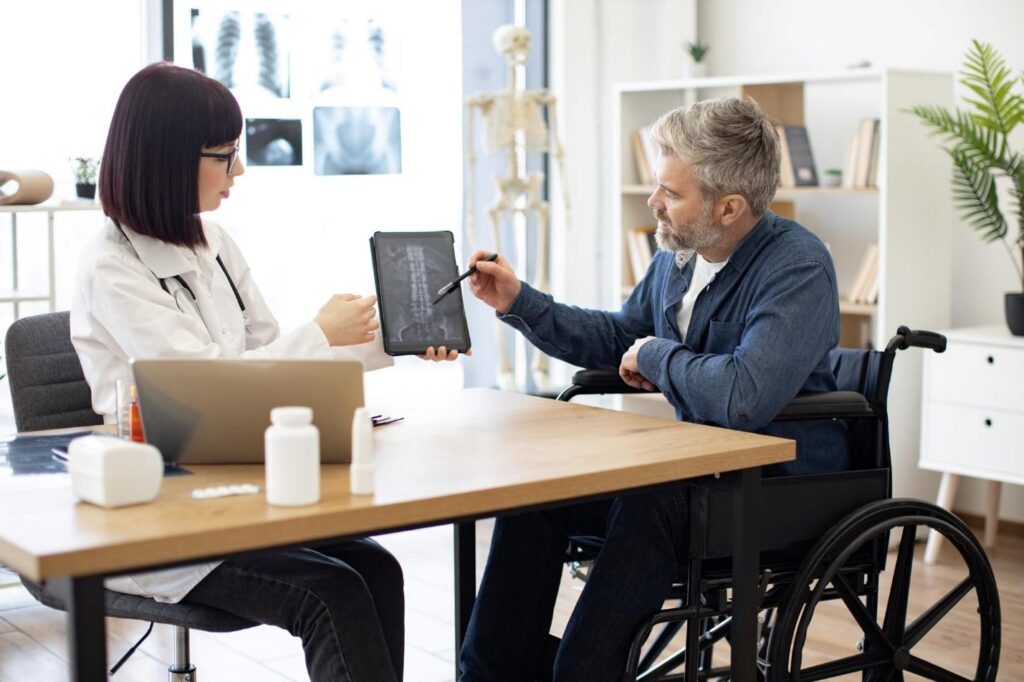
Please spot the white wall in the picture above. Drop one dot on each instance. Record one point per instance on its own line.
(803, 35)
(595, 44)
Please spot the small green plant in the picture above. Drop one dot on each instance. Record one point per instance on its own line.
(978, 141)
(85, 168)
(697, 51)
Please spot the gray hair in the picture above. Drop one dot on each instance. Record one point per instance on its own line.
(731, 144)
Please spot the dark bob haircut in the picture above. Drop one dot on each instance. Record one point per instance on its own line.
(149, 176)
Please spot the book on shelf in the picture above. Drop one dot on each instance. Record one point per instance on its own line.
(643, 169)
(865, 283)
(645, 154)
(641, 245)
(797, 144)
(861, 169)
(786, 176)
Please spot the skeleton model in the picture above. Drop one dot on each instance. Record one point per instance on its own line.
(515, 126)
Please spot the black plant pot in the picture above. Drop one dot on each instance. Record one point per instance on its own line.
(1015, 313)
(85, 190)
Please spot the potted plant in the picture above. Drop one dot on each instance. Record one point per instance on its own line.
(833, 177)
(696, 67)
(978, 141)
(85, 168)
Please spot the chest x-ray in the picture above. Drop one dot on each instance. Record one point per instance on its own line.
(248, 52)
(409, 269)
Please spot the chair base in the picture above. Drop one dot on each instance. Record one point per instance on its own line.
(188, 675)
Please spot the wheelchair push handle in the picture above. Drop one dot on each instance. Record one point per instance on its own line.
(920, 338)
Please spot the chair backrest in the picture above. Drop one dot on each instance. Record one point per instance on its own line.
(866, 372)
(48, 388)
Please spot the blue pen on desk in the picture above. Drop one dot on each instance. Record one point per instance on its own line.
(451, 286)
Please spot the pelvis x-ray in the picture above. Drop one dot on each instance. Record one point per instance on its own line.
(410, 271)
(357, 140)
(246, 51)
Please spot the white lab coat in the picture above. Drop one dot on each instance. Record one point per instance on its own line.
(120, 311)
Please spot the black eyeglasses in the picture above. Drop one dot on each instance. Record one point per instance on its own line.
(230, 157)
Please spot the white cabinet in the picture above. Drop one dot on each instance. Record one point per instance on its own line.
(973, 416)
(909, 215)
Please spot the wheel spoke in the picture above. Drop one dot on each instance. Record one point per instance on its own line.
(899, 590)
(860, 613)
(841, 666)
(927, 620)
(931, 671)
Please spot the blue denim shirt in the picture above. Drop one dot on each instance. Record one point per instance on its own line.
(759, 335)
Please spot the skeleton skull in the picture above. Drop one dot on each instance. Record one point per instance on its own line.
(512, 41)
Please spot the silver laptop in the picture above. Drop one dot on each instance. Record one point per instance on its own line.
(216, 411)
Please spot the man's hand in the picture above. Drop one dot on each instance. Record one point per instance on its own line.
(493, 283)
(630, 371)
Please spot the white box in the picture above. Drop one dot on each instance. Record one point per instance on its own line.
(112, 472)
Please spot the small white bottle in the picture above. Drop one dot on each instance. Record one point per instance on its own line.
(292, 452)
(361, 473)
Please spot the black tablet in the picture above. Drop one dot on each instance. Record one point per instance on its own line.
(408, 270)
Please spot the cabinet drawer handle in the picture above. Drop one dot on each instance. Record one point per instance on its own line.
(991, 360)
(988, 422)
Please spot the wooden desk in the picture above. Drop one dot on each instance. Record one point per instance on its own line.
(465, 455)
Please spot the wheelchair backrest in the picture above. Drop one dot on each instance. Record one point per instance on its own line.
(867, 372)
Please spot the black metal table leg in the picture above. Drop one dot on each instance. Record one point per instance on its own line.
(746, 540)
(465, 582)
(87, 637)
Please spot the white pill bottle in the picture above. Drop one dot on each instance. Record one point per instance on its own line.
(292, 453)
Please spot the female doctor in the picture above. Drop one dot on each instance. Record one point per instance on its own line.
(160, 282)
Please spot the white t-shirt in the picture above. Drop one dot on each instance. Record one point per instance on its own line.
(703, 274)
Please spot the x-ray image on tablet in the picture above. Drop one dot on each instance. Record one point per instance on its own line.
(409, 268)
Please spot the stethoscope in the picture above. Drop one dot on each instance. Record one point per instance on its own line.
(184, 287)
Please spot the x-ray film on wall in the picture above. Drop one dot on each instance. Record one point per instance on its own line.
(249, 52)
(357, 140)
(273, 142)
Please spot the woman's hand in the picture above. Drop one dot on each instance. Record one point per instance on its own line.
(442, 354)
(494, 283)
(347, 320)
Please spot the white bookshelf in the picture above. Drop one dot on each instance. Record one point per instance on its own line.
(909, 215)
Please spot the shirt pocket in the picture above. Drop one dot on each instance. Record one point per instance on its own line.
(724, 337)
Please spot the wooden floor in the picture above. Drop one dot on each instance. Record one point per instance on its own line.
(32, 639)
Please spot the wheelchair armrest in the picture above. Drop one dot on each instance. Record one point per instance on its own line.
(831, 405)
(597, 381)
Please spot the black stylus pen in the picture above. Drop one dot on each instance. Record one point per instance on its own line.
(451, 286)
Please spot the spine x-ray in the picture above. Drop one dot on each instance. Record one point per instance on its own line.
(409, 269)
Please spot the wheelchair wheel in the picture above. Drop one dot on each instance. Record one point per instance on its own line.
(836, 572)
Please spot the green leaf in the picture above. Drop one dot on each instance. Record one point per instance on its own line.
(986, 75)
(974, 193)
(981, 144)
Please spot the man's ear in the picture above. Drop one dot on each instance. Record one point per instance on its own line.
(731, 208)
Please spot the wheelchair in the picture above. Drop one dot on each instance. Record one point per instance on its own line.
(828, 562)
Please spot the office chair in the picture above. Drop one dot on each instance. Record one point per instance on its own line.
(49, 391)
(825, 537)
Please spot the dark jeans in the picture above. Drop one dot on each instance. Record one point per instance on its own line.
(345, 601)
(645, 540)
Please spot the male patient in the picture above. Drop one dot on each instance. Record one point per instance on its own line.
(735, 317)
